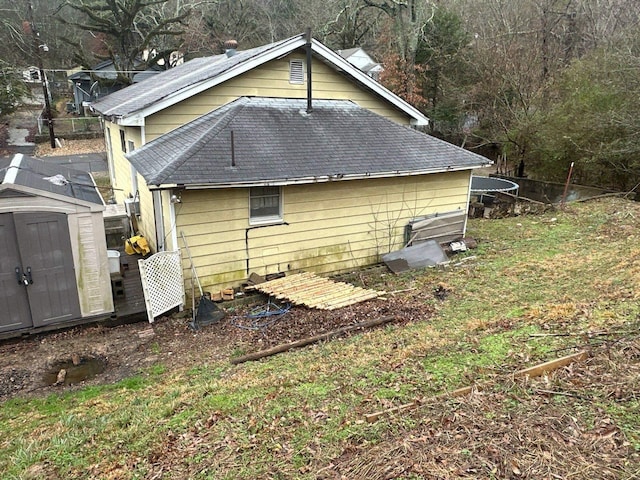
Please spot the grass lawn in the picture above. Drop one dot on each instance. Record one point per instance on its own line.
(539, 287)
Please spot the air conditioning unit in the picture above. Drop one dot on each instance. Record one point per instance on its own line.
(132, 206)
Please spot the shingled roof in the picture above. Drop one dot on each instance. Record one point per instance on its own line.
(129, 105)
(48, 177)
(270, 141)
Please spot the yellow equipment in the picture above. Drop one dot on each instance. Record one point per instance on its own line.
(137, 244)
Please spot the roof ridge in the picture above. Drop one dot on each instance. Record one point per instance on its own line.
(250, 53)
(232, 110)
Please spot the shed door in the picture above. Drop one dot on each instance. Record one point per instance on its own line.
(14, 303)
(45, 249)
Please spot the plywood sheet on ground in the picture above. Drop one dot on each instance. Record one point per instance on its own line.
(315, 292)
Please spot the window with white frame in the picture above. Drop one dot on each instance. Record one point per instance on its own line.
(265, 205)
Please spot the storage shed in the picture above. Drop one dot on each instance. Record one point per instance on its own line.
(54, 268)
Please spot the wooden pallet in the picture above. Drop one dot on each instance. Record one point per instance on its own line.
(315, 292)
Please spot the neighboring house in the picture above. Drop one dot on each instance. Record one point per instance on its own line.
(362, 60)
(91, 85)
(270, 163)
(53, 250)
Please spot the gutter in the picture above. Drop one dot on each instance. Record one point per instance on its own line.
(311, 180)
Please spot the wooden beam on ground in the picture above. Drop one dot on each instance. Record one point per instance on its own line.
(543, 368)
(309, 340)
(535, 371)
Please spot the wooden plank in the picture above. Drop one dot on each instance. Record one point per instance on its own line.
(356, 299)
(284, 281)
(309, 289)
(344, 300)
(314, 291)
(535, 371)
(543, 368)
(308, 341)
(342, 297)
(329, 293)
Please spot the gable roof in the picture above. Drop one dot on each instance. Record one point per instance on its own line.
(130, 105)
(274, 141)
(35, 174)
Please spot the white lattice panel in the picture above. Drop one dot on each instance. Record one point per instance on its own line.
(162, 282)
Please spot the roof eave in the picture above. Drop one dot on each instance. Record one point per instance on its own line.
(36, 192)
(316, 179)
(417, 117)
(137, 118)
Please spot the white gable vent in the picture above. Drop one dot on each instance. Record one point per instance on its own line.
(296, 72)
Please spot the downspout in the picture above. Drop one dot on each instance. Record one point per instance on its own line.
(174, 225)
(246, 240)
(157, 213)
(246, 243)
(466, 217)
(309, 80)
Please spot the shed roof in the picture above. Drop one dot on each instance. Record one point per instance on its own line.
(129, 105)
(267, 141)
(51, 178)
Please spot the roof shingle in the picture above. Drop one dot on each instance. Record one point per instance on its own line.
(256, 140)
(141, 95)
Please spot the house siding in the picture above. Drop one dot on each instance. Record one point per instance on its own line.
(328, 227)
(146, 220)
(123, 185)
(269, 80)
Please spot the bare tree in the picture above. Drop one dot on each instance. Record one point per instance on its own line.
(352, 24)
(127, 29)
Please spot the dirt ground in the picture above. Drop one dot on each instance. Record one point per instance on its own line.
(71, 147)
(26, 364)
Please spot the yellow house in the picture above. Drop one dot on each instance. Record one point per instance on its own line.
(276, 159)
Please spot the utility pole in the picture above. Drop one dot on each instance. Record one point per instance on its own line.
(37, 46)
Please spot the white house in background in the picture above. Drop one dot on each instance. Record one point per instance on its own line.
(361, 59)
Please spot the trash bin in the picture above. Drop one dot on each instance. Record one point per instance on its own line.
(114, 261)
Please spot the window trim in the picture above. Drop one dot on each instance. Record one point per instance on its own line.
(267, 219)
(123, 141)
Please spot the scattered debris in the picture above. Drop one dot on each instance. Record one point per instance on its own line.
(147, 333)
(255, 279)
(535, 371)
(309, 340)
(256, 318)
(441, 292)
(207, 312)
(421, 255)
(227, 294)
(62, 374)
(441, 227)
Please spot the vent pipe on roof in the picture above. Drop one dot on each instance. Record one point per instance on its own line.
(233, 150)
(230, 47)
(309, 83)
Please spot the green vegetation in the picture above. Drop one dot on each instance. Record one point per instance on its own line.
(567, 272)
